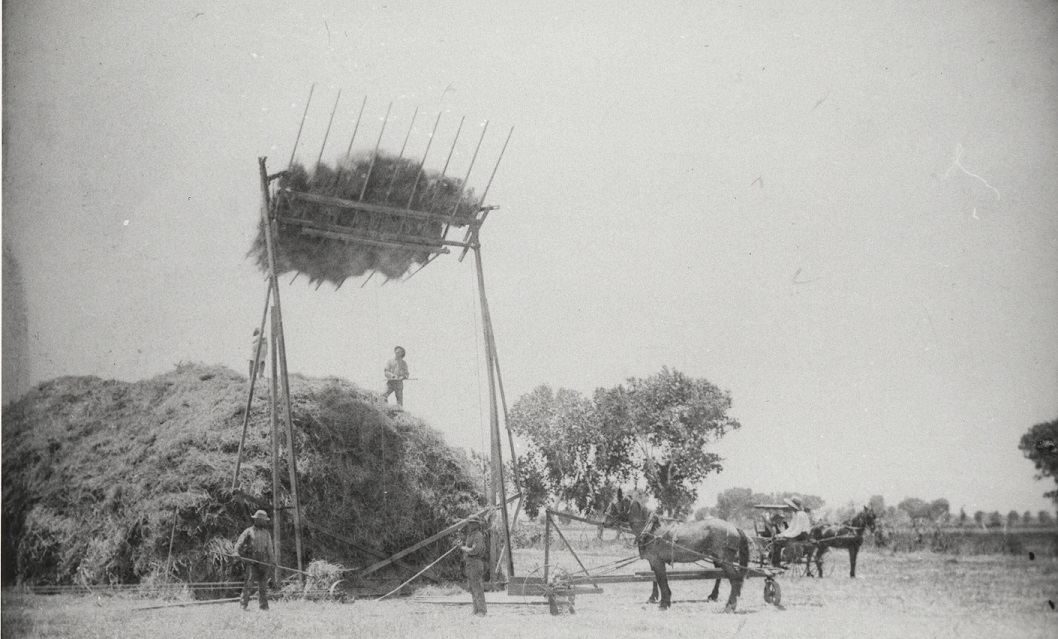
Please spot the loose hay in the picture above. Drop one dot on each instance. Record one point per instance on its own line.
(394, 182)
(94, 471)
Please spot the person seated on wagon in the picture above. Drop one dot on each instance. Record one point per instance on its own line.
(800, 525)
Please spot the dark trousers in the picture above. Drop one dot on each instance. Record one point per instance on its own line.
(258, 573)
(395, 386)
(475, 569)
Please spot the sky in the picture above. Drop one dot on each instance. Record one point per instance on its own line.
(845, 214)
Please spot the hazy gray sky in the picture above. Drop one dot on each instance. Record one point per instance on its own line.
(844, 213)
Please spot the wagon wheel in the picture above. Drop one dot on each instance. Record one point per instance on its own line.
(772, 592)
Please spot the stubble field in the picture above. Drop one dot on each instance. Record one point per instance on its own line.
(894, 595)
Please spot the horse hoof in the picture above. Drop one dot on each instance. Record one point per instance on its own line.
(663, 607)
(712, 598)
(729, 608)
(652, 600)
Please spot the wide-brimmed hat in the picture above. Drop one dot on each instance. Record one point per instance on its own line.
(260, 514)
(794, 502)
(476, 519)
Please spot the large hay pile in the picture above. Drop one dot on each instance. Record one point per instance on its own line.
(394, 182)
(94, 472)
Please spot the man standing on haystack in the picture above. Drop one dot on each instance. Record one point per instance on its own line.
(396, 372)
(474, 558)
(255, 547)
(259, 349)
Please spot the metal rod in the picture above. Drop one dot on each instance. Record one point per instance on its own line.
(574, 553)
(328, 132)
(444, 169)
(418, 174)
(298, 139)
(481, 202)
(400, 156)
(349, 150)
(374, 156)
(253, 377)
(365, 207)
(473, 158)
(189, 603)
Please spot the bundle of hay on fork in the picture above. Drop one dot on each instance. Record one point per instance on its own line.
(320, 240)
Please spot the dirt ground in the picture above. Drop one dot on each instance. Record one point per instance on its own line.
(902, 595)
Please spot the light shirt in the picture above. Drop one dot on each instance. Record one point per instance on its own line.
(264, 349)
(397, 369)
(800, 524)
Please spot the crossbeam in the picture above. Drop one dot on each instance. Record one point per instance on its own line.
(368, 207)
(350, 237)
(417, 240)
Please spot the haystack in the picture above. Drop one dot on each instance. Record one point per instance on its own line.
(95, 472)
(393, 182)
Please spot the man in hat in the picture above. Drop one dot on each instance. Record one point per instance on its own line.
(800, 525)
(255, 547)
(396, 372)
(474, 558)
(257, 355)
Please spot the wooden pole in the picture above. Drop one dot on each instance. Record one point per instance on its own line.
(172, 536)
(253, 382)
(400, 156)
(547, 543)
(413, 577)
(281, 347)
(273, 415)
(497, 490)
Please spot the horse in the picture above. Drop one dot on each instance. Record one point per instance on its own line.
(659, 543)
(848, 534)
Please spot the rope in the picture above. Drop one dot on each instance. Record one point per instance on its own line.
(432, 564)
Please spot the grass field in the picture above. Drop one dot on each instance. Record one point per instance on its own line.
(895, 595)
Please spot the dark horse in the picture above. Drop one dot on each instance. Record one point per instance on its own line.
(848, 534)
(669, 543)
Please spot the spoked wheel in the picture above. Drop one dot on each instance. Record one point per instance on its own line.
(772, 592)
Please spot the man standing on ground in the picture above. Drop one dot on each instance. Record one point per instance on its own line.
(474, 558)
(255, 547)
(396, 372)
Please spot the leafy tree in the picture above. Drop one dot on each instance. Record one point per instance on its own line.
(939, 509)
(569, 456)
(915, 508)
(1044, 517)
(995, 520)
(657, 429)
(979, 518)
(702, 513)
(675, 418)
(1013, 518)
(877, 504)
(1026, 518)
(735, 503)
(962, 516)
(1040, 445)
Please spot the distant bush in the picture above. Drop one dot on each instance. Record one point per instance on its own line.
(972, 541)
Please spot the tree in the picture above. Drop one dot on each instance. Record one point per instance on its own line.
(915, 508)
(658, 429)
(1040, 445)
(962, 516)
(702, 513)
(675, 418)
(1044, 517)
(979, 518)
(569, 457)
(1026, 518)
(877, 504)
(1013, 518)
(734, 503)
(995, 520)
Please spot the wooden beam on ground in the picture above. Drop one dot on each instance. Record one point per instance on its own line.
(368, 207)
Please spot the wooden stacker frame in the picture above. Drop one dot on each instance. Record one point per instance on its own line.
(280, 407)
